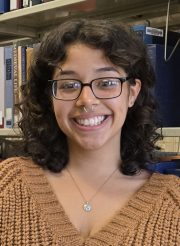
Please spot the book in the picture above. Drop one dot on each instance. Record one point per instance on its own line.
(29, 52)
(2, 86)
(9, 92)
(19, 69)
(19, 4)
(35, 2)
(13, 4)
(16, 4)
(4, 6)
(23, 64)
(15, 82)
(26, 3)
(167, 88)
(45, 1)
(151, 35)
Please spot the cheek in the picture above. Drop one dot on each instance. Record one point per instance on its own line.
(120, 104)
(119, 108)
(60, 112)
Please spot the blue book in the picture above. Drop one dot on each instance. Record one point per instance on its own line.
(166, 167)
(4, 6)
(35, 2)
(2, 84)
(9, 92)
(151, 35)
(167, 88)
(23, 64)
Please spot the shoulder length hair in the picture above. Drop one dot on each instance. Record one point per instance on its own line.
(44, 141)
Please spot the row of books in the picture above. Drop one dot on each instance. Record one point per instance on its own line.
(9, 5)
(15, 61)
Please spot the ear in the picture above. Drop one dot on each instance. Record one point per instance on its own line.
(134, 92)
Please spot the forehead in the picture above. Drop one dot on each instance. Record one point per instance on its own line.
(79, 52)
(81, 58)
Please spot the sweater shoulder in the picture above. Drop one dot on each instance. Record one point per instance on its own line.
(171, 184)
(10, 172)
(174, 188)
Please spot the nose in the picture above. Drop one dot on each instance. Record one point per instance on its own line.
(87, 98)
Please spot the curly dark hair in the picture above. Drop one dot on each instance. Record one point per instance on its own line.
(44, 141)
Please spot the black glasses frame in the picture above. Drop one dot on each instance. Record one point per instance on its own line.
(121, 79)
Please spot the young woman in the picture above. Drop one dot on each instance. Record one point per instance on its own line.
(89, 130)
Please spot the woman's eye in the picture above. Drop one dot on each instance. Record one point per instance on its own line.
(108, 83)
(69, 85)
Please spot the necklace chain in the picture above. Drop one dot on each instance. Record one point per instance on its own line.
(87, 206)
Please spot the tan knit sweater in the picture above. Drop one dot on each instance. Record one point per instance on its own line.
(31, 215)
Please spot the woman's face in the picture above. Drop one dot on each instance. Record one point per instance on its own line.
(92, 129)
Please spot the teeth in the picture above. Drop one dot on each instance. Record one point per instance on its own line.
(91, 121)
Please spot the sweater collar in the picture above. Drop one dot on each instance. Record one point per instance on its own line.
(125, 220)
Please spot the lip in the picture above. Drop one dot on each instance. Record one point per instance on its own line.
(90, 128)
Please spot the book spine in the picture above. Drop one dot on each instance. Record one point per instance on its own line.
(19, 4)
(26, 3)
(15, 80)
(19, 64)
(35, 2)
(29, 52)
(167, 85)
(23, 64)
(13, 4)
(2, 86)
(4, 6)
(151, 49)
(149, 35)
(9, 97)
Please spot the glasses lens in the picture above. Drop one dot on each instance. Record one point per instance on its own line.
(106, 87)
(66, 89)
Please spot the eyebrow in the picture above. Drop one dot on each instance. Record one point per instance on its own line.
(67, 72)
(101, 69)
(106, 69)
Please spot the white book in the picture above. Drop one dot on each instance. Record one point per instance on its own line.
(26, 3)
(13, 4)
(2, 86)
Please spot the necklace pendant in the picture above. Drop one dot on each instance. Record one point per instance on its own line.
(87, 207)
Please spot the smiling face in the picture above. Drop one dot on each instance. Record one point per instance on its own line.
(101, 127)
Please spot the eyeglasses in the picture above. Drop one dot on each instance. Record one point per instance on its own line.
(102, 88)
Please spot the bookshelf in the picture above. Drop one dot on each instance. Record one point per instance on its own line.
(170, 131)
(33, 21)
(9, 133)
(28, 22)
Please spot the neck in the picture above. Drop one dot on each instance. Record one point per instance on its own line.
(100, 161)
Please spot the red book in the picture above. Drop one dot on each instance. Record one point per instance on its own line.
(19, 4)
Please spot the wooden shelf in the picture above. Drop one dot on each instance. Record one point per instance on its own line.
(27, 22)
(170, 131)
(33, 21)
(8, 133)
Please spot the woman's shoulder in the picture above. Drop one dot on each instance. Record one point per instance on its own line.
(169, 180)
(11, 171)
(166, 184)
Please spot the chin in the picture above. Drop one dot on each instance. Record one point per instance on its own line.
(91, 145)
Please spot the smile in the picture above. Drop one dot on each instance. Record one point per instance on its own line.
(94, 121)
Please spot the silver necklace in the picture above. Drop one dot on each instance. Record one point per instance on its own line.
(87, 207)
